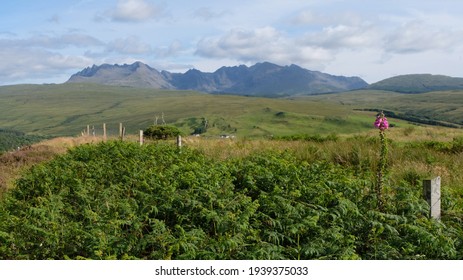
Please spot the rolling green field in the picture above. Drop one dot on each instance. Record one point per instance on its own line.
(438, 105)
(65, 110)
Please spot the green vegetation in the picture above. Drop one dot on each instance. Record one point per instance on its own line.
(419, 83)
(436, 108)
(13, 163)
(12, 139)
(305, 137)
(161, 132)
(268, 194)
(65, 110)
(289, 200)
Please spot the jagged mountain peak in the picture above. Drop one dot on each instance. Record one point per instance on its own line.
(136, 74)
(260, 79)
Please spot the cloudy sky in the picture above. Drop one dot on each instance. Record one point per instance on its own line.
(46, 41)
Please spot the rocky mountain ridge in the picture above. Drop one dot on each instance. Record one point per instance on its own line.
(261, 79)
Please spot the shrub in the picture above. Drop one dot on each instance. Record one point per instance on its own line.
(11, 139)
(161, 131)
(118, 200)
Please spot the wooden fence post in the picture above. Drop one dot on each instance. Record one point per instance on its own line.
(123, 133)
(104, 132)
(141, 137)
(179, 141)
(432, 194)
(88, 130)
(120, 130)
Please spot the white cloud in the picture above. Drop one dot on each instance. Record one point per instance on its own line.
(268, 44)
(129, 45)
(52, 42)
(207, 14)
(174, 49)
(135, 11)
(340, 37)
(344, 36)
(34, 64)
(306, 17)
(37, 57)
(417, 36)
(310, 17)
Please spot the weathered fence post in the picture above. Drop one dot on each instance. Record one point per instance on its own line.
(123, 133)
(104, 132)
(431, 190)
(141, 137)
(179, 141)
(120, 130)
(88, 130)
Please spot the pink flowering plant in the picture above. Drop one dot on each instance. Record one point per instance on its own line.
(382, 124)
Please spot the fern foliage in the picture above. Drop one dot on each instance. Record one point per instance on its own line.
(118, 200)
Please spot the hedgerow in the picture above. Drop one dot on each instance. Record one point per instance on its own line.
(118, 200)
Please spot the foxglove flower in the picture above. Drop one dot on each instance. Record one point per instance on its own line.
(381, 122)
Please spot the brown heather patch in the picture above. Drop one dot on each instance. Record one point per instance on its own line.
(13, 163)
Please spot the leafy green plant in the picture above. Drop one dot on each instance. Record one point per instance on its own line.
(118, 200)
(161, 131)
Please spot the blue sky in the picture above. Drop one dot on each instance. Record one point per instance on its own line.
(47, 41)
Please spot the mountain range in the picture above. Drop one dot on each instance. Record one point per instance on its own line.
(261, 79)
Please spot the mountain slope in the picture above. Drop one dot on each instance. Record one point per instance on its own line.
(418, 83)
(137, 75)
(261, 79)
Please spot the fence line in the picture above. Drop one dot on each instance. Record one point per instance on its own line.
(122, 134)
(431, 188)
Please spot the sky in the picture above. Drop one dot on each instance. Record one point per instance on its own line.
(49, 40)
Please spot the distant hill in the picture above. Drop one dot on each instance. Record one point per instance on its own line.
(418, 83)
(261, 79)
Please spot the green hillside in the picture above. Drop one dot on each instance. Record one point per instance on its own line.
(441, 106)
(68, 108)
(418, 83)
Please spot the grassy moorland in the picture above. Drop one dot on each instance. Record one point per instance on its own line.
(65, 110)
(311, 197)
(437, 105)
(238, 199)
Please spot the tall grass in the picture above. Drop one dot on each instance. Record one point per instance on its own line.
(232, 199)
(414, 155)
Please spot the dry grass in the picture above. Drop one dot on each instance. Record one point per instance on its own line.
(13, 163)
(407, 159)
